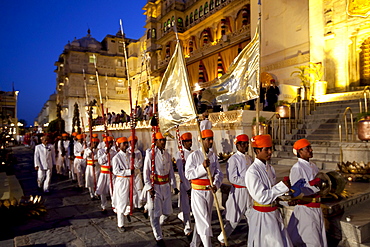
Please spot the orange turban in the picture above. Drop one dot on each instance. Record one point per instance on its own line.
(74, 134)
(207, 133)
(130, 138)
(79, 137)
(64, 134)
(186, 136)
(301, 144)
(110, 138)
(261, 141)
(95, 140)
(94, 135)
(121, 140)
(158, 136)
(241, 138)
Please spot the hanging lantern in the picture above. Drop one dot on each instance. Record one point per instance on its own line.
(167, 50)
(223, 26)
(201, 73)
(205, 37)
(220, 69)
(191, 45)
(245, 16)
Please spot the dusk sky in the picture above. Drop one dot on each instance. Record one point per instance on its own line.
(34, 33)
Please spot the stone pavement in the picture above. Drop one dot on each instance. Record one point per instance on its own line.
(72, 219)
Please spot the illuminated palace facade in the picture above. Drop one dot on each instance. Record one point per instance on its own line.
(293, 33)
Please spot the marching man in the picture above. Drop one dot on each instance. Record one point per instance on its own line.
(306, 225)
(121, 169)
(105, 182)
(265, 221)
(239, 201)
(79, 163)
(201, 195)
(159, 202)
(44, 159)
(63, 155)
(138, 185)
(185, 188)
(90, 177)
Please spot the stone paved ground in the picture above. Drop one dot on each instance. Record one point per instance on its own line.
(72, 219)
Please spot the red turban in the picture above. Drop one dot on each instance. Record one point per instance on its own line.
(130, 138)
(207, 133)
(186, 136)
(121, 140)
(241, 138)
(158, 136)
(301, 144)
(261, 141)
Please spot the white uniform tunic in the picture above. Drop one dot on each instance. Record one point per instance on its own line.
(62, 164)
(202, 200)
(162, 204)
(306, 226)
(44, 159)
(121, 193)
(104, 181)
(91, 180)
(239, 201)
(184, 203)
(79, 163)
(138, 185)
(266, 228)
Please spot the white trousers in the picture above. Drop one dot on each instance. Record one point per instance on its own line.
(43, 178)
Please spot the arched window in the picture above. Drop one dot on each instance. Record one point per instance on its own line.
(211, 5)
(218, 2)
(172, 21)
(154, 33)
(164, 26)
(206, 8)
(200, 11)
(195, 15)
(191, 17)
(168, 24)
(179, 22)
(148, 34)
(186, 21)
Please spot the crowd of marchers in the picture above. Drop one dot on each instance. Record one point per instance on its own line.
(105, 167)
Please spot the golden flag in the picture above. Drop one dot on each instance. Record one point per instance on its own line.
(175, 102)
(240, 83)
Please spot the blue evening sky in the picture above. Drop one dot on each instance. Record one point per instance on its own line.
(34, 33)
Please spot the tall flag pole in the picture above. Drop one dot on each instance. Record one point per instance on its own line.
(176, 106)
(132, 124)
(259, 73)
(104, 121)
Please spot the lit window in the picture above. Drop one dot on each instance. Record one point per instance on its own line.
(154, 34)
(172, 21)
(206, 8)
(200, 11)
(179, 22)
(191, 17)
(211, 4)
(195, 15)
(91, 59)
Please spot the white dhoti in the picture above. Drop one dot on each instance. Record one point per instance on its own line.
(121, 198)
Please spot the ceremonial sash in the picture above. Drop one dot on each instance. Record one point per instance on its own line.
(200, 184)
(315, 203)
(105, 169)
(265, 208)
(158, 179)
(238, 186)
(79, 157)
(91, 162)
(123, 176)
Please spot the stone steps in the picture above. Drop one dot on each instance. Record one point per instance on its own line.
(10, 187)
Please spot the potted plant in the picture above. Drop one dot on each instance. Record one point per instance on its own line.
(311, 75)
(363, 126)
(263, 127)
(283, 109)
